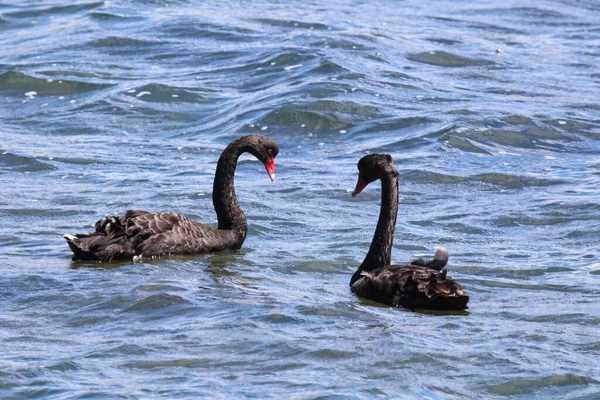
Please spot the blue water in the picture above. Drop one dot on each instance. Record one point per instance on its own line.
(490, 110)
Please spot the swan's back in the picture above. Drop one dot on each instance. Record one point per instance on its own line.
(148, 234)
(411, 286)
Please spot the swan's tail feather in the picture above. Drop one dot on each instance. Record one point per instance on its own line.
(101, 247)
(440, 259)
(78, 248)
(109, 241)
(441, 254)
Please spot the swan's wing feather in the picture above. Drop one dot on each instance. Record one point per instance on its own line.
(173, 233)
(135, 213)
(141, 233)
(412, 286)
(155, 222)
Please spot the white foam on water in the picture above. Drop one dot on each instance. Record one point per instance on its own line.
(292, 67)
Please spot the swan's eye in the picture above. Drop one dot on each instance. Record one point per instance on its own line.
(270, 152)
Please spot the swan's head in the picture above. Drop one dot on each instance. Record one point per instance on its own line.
(264, 148)
(371, 168)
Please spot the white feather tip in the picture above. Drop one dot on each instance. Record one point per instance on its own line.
(441, 254)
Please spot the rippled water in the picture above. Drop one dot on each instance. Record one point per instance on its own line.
(490, 110)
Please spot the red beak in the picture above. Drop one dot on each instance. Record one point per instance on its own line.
(360, 185)
(270, 166)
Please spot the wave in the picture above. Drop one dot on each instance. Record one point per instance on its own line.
(507, 181)
(54, 10)
(444, 59)
(319, 116)
(160, 93)
(20, 83)
(194, 28)
(18, 163)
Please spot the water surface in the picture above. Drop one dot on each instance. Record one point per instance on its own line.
(490, 111)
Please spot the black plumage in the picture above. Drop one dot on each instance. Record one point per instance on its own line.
(419, 284)
(148, 234)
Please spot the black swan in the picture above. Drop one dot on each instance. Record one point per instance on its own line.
(420, 284)
(140, 234)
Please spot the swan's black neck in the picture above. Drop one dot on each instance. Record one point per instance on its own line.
(380, 252)
(229, 212)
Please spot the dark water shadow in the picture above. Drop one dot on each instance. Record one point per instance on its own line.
(212, 260)
(423, 311)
